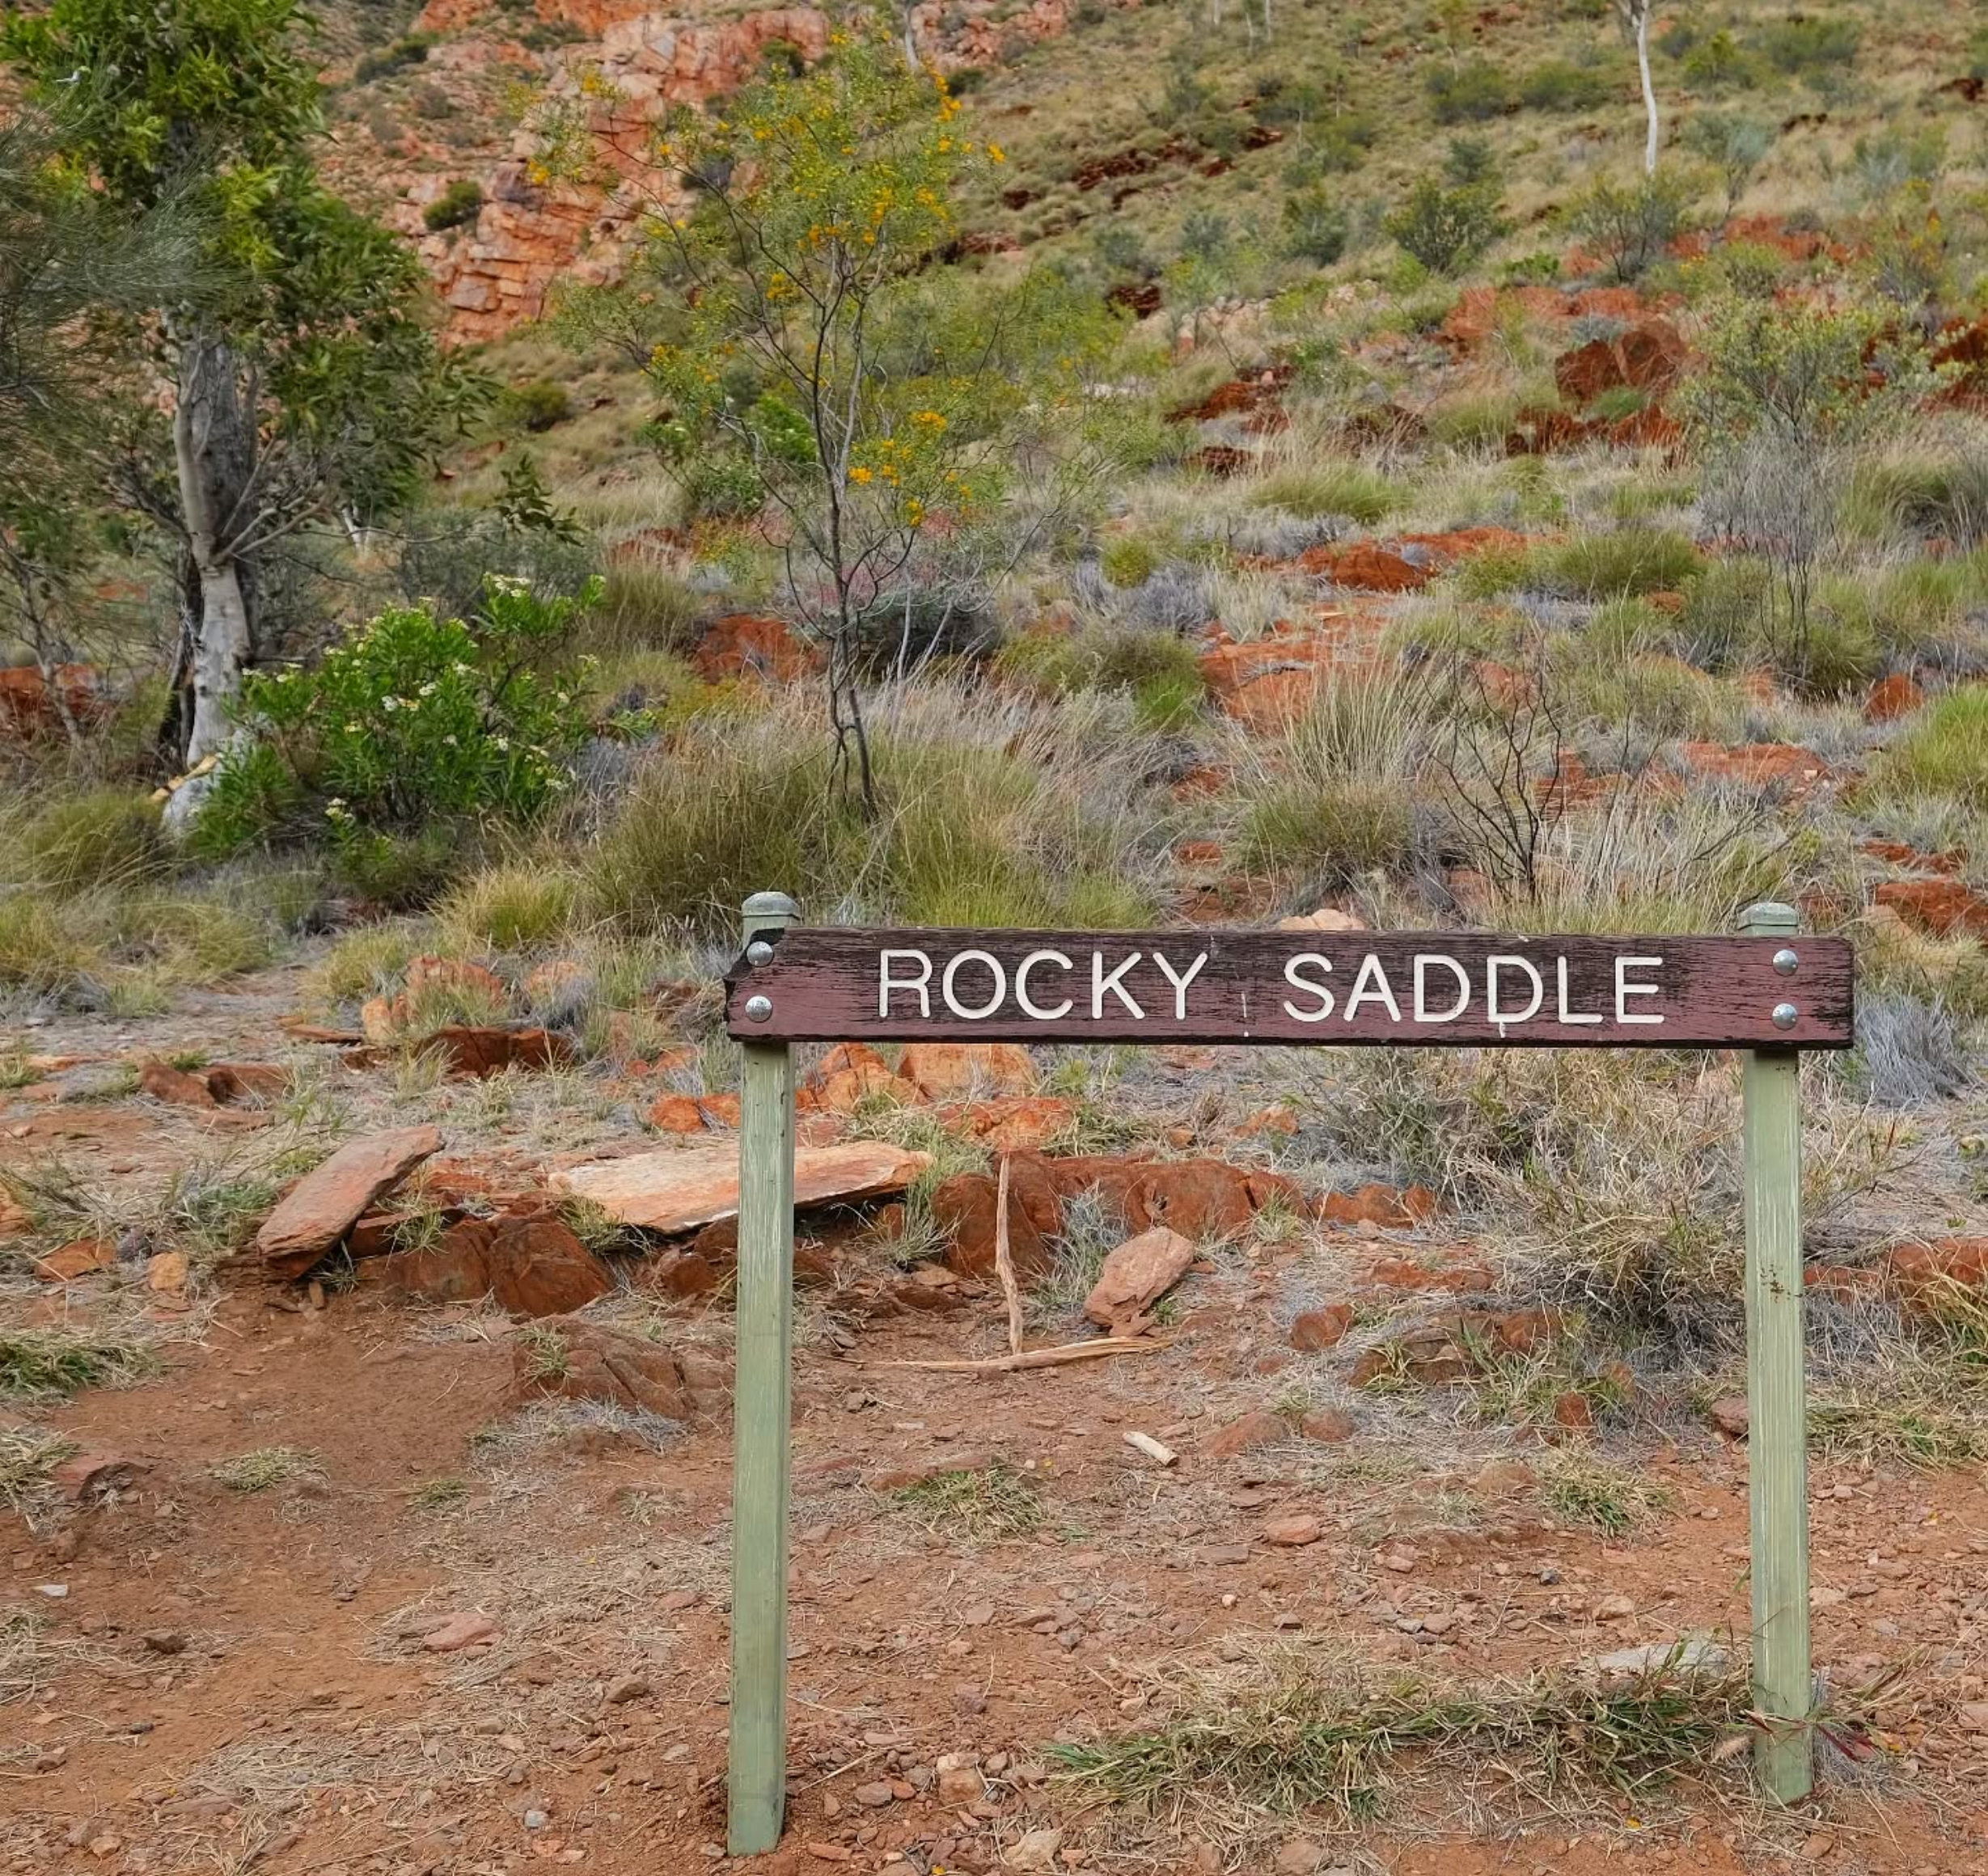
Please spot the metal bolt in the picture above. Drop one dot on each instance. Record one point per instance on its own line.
(759, 952)
(1786, 962)
(759, 1008)
(1785, 1015)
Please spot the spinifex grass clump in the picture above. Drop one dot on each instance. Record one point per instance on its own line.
(1292, 1734)
(980, 1506)
(41, 1361)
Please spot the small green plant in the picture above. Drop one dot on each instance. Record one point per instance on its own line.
(38, 1362)
(411, 48)
(263, 1468)
(1558, 85)
(983, 1505)
(1628, 227)
(512, 907)
(1314, 225)
(1445, 228)
(548, 1355)
(538, 405)
(1584, 1488)
(437, 1496)
(102, 837)
(457, 204)
(1469, 92)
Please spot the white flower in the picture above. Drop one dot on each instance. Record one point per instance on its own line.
(428, 690)
(390, 702)
(502, 741)
(352, 729)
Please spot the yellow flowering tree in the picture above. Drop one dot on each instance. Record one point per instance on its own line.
(818, 364)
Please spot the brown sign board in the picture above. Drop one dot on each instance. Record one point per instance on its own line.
(837, 984)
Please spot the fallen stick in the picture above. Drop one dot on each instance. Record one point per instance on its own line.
(1151, 1448)
(1004, 1262)
(1042, 1358)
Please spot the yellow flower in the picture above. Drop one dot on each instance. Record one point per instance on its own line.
(994, 150)
(859, 474)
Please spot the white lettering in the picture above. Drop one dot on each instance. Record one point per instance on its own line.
(1492, 1011)
(1624, 989)
(1564, 1014)
(1423, 1013)
(1384, 993)
(920, 985)
(1293, 976)
(1101, 981)
(1029, 1008)
(952, 971)
(1180, 983)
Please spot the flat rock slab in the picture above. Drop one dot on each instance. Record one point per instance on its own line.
(322, 1206)
(1136, 1275)
(685, 1187)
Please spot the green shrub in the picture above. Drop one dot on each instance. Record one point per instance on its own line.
(1809, 46)
(1559, 86)
(643, 606)
(970, 832)
(1128, 561)
(1625, 561)
(1446, 229)
(1718, 61)
(718, 490)
(1469, 92)
(537, 405)
(1630, 227)
(408, 720)
(1328, 488)
(105, 836)
(1314, 226)
(1944, 751)
(457, 204)
(1330, 829)
(512, 907)
(1158, 669)
(410, 50)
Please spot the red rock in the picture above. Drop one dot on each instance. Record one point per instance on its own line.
(1292, 1532)
(479, 1051)
(1324, 918)
(1279, 1121)
(1252, 1431)
(964, 1207)
(454, 1634)
(1843, 1282)
(1524, 1332)
(1922, 1273)
(319, 1210)
(1203, 1198)
(1316, 1329)
(1900, 853)
(1574, 1411)
(1327, 1427)
(231, 1082)
(1014, 1123)
(570, 1358)
(1759, 764)
(681, 1188)
(676, 1113)
(1222, 459)
(1406, 1274)
(851, 1073)
(79, 1258)
(375, 1234)
(1649, 357)
(1380, 1205)
(1939, 906)
(473, 983)
(28, 708)
(744, 644)
(531, 1267)
(939, 1069)
(163, 1082)
(87, 1477)
(1365, 567)
(1136, 1276)
(1729, 1414)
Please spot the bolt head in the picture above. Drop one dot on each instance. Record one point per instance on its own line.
(1785, 1016)
(759, 1008)
(1786, 962)
(759, 952)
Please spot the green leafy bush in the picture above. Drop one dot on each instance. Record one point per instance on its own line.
(410, 50)
(456, 205)
(1446, 229)
(1469, 92)
(1560, 85)
(410, 719)
(1314, 226)
(538, 405)
(1629, 227)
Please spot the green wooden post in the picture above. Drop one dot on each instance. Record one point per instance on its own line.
(761, 1411)
(1777, 1388)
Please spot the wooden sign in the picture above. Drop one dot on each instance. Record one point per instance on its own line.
(836, 984)
(1770, 991)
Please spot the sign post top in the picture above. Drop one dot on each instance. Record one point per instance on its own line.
(1766, 990)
